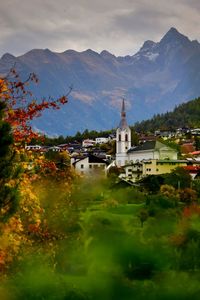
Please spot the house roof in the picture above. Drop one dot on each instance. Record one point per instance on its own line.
(187, 148)
(195, 153)
(92, 159)
(192, 169)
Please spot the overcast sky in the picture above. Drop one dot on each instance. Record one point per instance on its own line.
(119, 26)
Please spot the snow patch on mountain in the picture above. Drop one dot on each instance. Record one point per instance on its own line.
(151, 56)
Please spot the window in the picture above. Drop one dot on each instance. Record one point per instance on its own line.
(82, 166)
(119, 137)
(126, 137)
(90, 166)
(157, 170)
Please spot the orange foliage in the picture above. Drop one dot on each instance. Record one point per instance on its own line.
(189, 211)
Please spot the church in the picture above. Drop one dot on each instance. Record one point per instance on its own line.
(127, 153)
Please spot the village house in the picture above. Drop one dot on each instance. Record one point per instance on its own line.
(138, 170)
(101, 140)
(194, 170)
(33, 147)
(90, 165)
(88, 143)
(161, 166)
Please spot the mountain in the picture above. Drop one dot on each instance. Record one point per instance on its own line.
(155, 79)
(184, 115)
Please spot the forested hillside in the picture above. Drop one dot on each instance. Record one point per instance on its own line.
(186, 114)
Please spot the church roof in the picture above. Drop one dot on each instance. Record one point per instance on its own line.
(149, 145)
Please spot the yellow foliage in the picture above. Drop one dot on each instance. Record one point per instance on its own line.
(30, 224)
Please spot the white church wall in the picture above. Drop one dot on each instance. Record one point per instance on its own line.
(140, 155)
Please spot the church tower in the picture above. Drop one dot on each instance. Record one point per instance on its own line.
(123, 139)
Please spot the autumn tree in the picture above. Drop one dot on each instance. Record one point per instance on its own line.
(188, 196)
(21, 213)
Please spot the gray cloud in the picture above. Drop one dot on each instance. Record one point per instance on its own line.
(120, 26)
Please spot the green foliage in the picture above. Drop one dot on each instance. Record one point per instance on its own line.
(197, 143)
(152, 183)
(178, 178)
(100, 248)
(143, 216)
(196, 186)
(187, 253)
(134, 137)
(159, 201)
(62, 159)
(78, 137)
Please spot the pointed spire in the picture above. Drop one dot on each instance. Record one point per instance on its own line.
(123, 105)
(123, 122)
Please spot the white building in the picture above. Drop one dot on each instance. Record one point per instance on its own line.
(151, 150)
(90, 165)
(33, 147)
(101, 140)
(88, 143)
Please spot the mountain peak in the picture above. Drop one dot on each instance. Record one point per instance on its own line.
(90, 52)
(173, 30)
(106, 54)
(7, 57)
(173, 35)
(148, 45)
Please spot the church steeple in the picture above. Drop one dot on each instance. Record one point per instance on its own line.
(123, 122)
(123, 139)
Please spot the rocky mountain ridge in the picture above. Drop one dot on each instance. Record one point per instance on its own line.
(155, 79)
